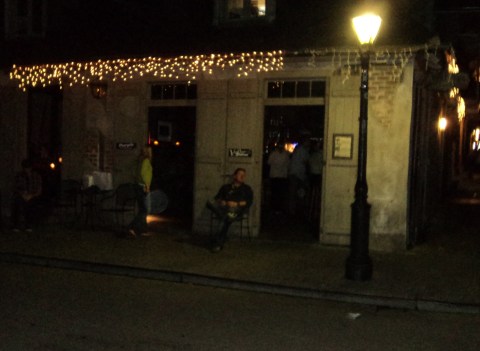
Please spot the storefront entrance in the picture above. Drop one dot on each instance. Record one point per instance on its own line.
(171, 133)
(44, 136)
(291, 207)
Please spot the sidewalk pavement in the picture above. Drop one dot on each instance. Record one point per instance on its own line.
(425, 278)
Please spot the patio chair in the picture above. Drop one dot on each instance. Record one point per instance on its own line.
(66, 201)
(243, 223)
(120, 203)
(89, 205)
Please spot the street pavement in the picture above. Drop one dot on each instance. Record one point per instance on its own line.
(443, 275)
(55, 309)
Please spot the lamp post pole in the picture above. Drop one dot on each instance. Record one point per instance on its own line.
(359, 264)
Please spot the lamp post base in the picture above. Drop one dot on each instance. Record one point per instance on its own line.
(359, 264)
(359, 269)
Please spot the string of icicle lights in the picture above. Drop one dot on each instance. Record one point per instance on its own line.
(181, 67)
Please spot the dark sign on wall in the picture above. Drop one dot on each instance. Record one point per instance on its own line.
(240, 152)
(126, 146)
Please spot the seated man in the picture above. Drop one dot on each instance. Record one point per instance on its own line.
(231, 202)
(28, 188)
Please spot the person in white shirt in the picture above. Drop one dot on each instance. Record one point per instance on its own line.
(278, 161)
(297, 175)
(315, 163)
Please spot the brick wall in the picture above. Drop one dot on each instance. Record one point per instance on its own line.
(383, 81)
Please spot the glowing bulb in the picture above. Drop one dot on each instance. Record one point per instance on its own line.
(366, 27)
(442, 123)
(68, 74)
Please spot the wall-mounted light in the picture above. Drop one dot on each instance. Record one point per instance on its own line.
(442, 124)
(98, 89)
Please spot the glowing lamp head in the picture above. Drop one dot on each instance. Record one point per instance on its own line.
(52, 166)
(442, 123)
(366, 27)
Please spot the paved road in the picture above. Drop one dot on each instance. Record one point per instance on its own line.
(52, 309)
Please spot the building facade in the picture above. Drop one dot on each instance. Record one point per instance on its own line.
(217, 118)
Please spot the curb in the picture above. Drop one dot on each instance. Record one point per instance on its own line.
(226, 283)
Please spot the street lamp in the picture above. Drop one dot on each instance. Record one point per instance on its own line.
(359, 264)
(442, 124)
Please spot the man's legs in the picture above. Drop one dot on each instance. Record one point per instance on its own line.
(275, 191)
(228, 218)
(293, 185)
(220, 211)
(221, 215)
(221, 236)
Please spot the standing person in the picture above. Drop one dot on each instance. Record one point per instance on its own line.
(231, 202)
(28, 188)
(297, 174)
(138, 226)
(315, 163)
(278, 161)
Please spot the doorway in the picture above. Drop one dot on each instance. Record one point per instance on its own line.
(171, 133)
(286, 214)
(44, 136)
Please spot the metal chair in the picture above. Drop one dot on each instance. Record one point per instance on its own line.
(243, 221)
(122, 201)
(67, 199)
(89, 205)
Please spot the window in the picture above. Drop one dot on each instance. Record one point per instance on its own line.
(295, 89)
(25, 18)
(173, 91)
(164, 132)
(234, 11)
(245, 8)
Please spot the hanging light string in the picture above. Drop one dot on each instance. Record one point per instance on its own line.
(344, 60)
(181, 67)
(189, 68)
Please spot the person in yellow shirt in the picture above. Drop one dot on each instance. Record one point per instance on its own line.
(138, 226)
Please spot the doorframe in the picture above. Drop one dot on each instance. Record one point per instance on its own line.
(292, 102)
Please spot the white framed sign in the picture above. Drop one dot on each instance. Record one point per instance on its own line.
(342, 146)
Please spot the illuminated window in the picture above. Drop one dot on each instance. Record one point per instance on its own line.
(24, 18)
(295, 89)
(245, 8)
(173, 91)
(231, 11)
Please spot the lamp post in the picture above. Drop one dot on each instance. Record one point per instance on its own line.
(442, 128)
(359, 264)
